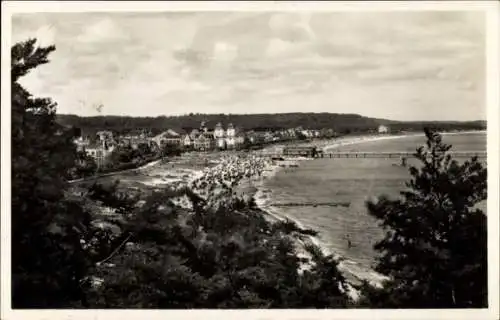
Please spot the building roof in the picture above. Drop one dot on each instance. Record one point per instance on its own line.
(205, 136)
(169, 134)
(179, 131)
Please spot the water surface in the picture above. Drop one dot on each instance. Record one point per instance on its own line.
(353, 181)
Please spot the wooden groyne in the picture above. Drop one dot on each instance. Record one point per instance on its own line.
(363, 155)
(468, 154)
(312, 204)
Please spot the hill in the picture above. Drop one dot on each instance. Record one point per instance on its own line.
(342, 123)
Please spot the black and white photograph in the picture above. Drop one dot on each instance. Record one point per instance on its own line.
(250, 156)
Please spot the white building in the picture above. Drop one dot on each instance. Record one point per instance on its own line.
(227, 139)
(188, 141)
(230, 136)
(383, 129)
(169, 137)
(220, 136)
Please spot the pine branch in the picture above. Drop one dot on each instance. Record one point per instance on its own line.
(115, 251)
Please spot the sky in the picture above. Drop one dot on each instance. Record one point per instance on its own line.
(424, 65)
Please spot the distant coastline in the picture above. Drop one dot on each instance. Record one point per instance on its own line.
(374, 138)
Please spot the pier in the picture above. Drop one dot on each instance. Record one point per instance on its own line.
(363, 155)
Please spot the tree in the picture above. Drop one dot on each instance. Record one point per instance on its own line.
(170, 150)
(47, 259)
(229, 257)
(435, 248)
(300, 135)
(85, 166)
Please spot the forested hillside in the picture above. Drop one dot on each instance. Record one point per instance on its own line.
(342, 123)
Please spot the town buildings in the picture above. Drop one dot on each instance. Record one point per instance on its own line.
(222, 137)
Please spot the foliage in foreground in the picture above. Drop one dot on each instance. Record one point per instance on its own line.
(435, 249)
(214, 259)
(47, 259)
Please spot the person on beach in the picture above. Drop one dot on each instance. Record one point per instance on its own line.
(349, 243)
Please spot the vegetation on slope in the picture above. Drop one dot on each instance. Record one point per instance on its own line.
(341, 123)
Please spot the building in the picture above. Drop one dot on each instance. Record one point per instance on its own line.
(194, 134)
(204, 142)
(99, 151)
(230, 138)
(255, 137)
(239, 138)
(307, 133)
(134, 141)
(169, 137)
(105, 135)
(383, 129)
(81, 143)
(300, 151)
(220, 136)
(269, 137)
(96, 151)
(187, 141)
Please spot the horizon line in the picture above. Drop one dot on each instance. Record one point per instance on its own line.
(250, 114)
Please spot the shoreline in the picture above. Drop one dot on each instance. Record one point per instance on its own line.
(375, 138)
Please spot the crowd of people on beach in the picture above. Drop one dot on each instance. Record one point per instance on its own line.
(228, 173)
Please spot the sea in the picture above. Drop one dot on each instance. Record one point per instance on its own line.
(353, 182)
